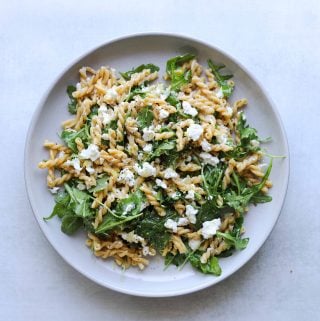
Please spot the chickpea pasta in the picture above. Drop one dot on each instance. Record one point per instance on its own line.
(168, 167)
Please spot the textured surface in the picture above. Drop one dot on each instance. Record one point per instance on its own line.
(277, 41)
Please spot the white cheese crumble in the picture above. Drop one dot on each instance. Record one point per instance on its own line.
(229, 111)
(105, 136)
(255, 143)
(219, 93)
(161, 183)
(206, 147)
(126, 176)
(148, 133)
(92, 152)
(75, 163)
(171, 225)
(222, 139)
(131, 237)
(194, 131)
(209, 159)
(188, 109)
(90, 169)
(210, 228)
(111, 94)
(191, 213)
(129, 208)
(209, 118)
(106, 115)
(146, 170)
(54, 190)
(148, 148)
(163, 114)
(194, 244)
(190, 195)
(183, 221)
(170, 173)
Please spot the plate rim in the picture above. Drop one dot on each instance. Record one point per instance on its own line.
(38, 110)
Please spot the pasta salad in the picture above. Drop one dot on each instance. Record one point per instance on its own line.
(150, 167)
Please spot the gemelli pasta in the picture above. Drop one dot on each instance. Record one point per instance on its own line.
(147, 167)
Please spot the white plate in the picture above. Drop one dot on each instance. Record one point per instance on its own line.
(123, 54)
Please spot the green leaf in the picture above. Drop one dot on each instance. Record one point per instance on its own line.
(127, 75)
(163, 148)
(145, 117)
(211, 267)
(138, 90)
(69, 137)
(175, 72)
(72, 105)
(236, 241)
(102, 183)
(221, 79)
(70, 224)
(176, 260)
(151, 227)
(62, 206)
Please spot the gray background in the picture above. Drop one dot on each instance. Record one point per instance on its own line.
(278, 41)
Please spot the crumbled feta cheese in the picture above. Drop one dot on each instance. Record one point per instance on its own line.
(219, 93)
(210, 228)
(194, 131)
(89, 168)
(128, 208)
(161, 183)
(175, 195)
(106, 115)
(170, 173)
(229, 110)
(131, 237)
(146, 170)
(81, 186)
(171, 225)
(140, 156)
(60, 154)
(54, 190)
(105, 136)
(126, 176)
(148, 133)
(75, 163)
(78, 86)
(209, 118)
(92, 152)
(222, 139)
(165, 93)
(163, 114)
(188, 109)
(255, 143)
(111, 94)
(191, 213)
(148, 148)
(183, 221)
(145, 250)
(206, 147)
(194, 244)
(190, 195)
(209, 159)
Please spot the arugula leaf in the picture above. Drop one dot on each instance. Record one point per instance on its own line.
(138, 90)
(102, 183)
(145, 117)
(221, 79)
(164, 147)
(62, 206)
(211, 267)
(212, 179)
(125, 211)
(70, 224)
(175, 72)
(93, 112)
(151, 227)
(176, 260)
(127, 75)
(69, 137)
(72, 105)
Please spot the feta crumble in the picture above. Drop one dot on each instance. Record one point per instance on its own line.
(210, 228)
(148, 133)
(191, 213)
(131, 237)
(209, 159)
(219, 93)
(183, 221)
(111, 94)
(190, 195)
(194, 131)
(161, 183)
(90, 169)
(92, 152)
(188, 109)
(171, 225)
(126, 176)
(105, 136)
(75, 163)
(54, 190)
(170, 173)
(206, 147)
(163, 114)
(194, 244)
(129, 208)
(106, 115)
(146, 170)
(255, 143)
(148, 148)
